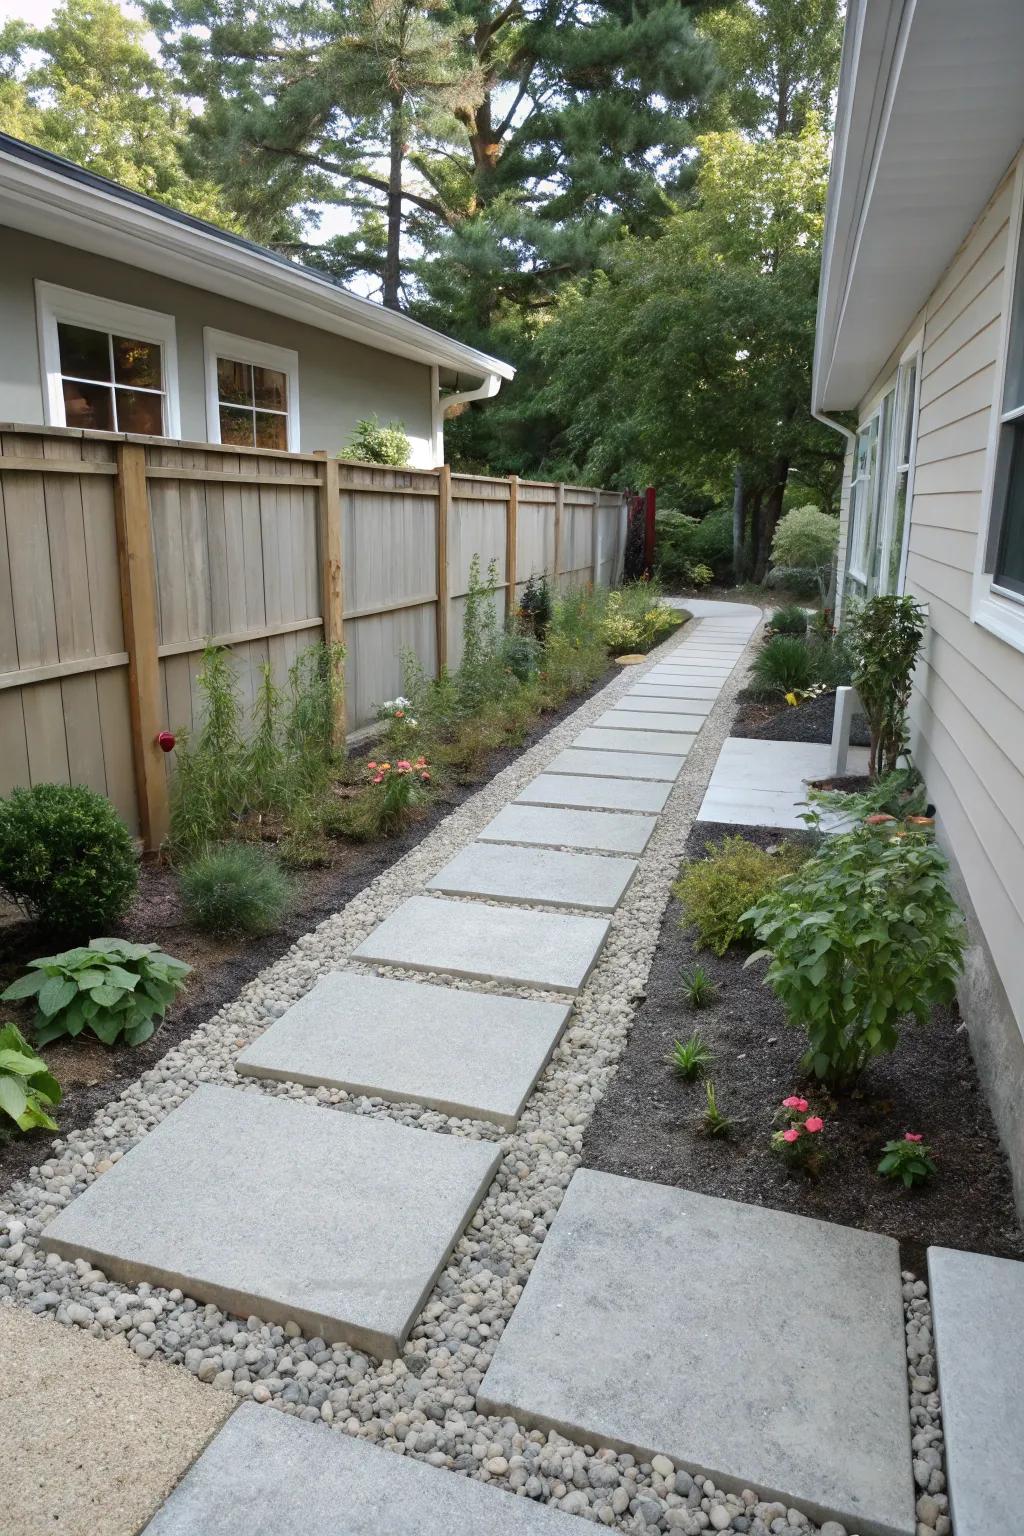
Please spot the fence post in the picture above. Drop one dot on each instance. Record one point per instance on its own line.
(444, 498)
(141, 637)
(595, 542)
(559, 502)
(332, 584)
(511, 550)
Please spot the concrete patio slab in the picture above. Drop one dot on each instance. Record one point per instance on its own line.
(748, 1362)
(271, 1208)
(977, 1313)
(595, 794)
(602, 739)
(464, 1053)
(653, 687)
(267, 1473)
(646, 702)
(652, 720)
(94, 1438)
(468, 938)
(688, 674)
(754, 808)
(764, 783)
(664, 767)
(510, 873)
(602, 831)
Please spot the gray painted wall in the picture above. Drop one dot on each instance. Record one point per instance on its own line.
(339, 380)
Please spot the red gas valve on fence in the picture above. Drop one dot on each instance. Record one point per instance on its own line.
(165, 741)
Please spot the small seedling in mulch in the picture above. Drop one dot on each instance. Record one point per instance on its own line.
(698, 988)
(909, 1159)
(715, 1122)
(688, 1058)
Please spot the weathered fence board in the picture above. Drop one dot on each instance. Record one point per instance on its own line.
(122, 557)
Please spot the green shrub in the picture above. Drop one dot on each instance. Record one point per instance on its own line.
(635, 618)
(908, 1160)
(535, 606)
(235, 889)
(377, 444)
(783, 665)
(66, 857)
(885, 635)
(900, 793)
(717, 891)
(110, 987)
(712, 542)
(831, 660)
(521, 655)
(208, 787)
(861, 936)
(806, 539)
(790, 620)
(27, 1089)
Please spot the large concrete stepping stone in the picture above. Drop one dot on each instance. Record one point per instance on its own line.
(545, 827)
(602, 740)
(664, 767)
(650, 687)
(529, 875)
(269, 1474)
(554, 951)
(760, 1349)
(595, 794)
(639, 702)
(978, 1318)
(286, 1211)
(464, 1053)
(626, 720)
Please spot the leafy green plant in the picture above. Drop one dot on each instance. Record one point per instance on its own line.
(798, 1139)
(479, 676)
(234, 889)
(66, 857)
(716, 891)
(806, 539)
(899, 793)
(635, 618)
(521, 654)
(265, 768)
(111, 987)
(715, 1123)
(886, 635)
(790, 620)
(394, 794)
(535, 606)
(908, 1160)
(208, 787)
(863, 935)
(688, 1058)
(28, 1090)
(782, 665)
(374, 443)
(698, 988)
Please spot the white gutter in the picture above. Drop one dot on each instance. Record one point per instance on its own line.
(485, 391)
(439, 404)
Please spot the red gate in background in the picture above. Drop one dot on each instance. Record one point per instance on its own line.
(639, 556)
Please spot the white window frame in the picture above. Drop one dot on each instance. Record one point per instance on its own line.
(996, 608)
(874, 518)
(262, 354)
(55, 305)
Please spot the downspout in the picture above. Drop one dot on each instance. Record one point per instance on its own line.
(851, 438)
(485, 391)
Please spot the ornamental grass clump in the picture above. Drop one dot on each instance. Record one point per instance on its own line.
(862, 936)
(66, 858)
(717, 891)
(235, 889)
(689, 1058)
(783, 665)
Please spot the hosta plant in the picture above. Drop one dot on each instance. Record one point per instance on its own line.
(28, 1091)
(112, 988)
(908, 1160)
(864, 935)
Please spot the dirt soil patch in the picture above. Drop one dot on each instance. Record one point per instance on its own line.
(772, 719)
(648, 1125)
(92, 1074)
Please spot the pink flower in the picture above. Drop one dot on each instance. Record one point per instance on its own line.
(791, 1135)
(795, 1102)
(403, 765)
(425, 777)
(814, 1123)
(378, 778)
(372, 767)
(912, 1136)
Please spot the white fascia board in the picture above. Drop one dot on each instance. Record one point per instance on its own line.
(42, 202)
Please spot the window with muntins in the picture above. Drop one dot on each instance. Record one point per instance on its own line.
(1007, 526)
(252, 404)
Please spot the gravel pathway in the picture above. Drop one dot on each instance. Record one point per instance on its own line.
(424, 1402)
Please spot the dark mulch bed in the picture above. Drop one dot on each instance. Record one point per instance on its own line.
(92, 1074)
(648, 1124)
(772, 719)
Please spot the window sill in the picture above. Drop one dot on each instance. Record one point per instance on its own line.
(1001, 616)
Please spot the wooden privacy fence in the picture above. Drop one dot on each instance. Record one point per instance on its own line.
(122, 557)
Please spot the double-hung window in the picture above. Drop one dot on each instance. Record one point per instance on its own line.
(881, 487)
(107, 366)
(1006, 531)
(252, 392)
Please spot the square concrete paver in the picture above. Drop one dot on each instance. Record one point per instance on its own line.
(555, 951)
(464, 1053)
(639, 702)
(94, 1438)
(764, 783)
(978, 1315)
(510, 873)
(626, 720)
(285, 1211)
(547, 827)
(602, 739)
(761, 1349)
(663, 766)
(595, 794)
(650, 687)
(269, 1474)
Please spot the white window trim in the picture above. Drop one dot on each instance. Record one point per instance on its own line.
(913, 354)
(242, 349)
(994, 608)
(55, 304)
(887, 465)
